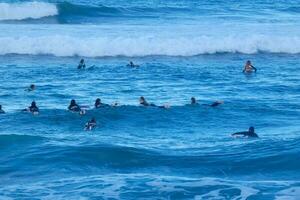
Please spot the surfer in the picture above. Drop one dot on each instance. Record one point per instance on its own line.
(31, 88)
(73, 106)
(99, 104)
(194, 101)
(1, 111)
(249, 67)
(90, 125)
(214, 104)
(143, 102)
(81, 64)
(32, 108)
(249, 133)
(131, 64)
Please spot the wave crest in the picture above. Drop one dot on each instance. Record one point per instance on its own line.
(27, 10)
(59, 45)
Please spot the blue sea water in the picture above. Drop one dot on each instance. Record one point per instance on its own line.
(184, 48)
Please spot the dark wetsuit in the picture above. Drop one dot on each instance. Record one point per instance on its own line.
(215, 104)
(252, 67)
(33, 109)
(246, 134)
(81, 66)
(2, 111)
(74, 107)
(101, 105)
(145, 103)
(90, 125)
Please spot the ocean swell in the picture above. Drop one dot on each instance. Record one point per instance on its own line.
(27, 10)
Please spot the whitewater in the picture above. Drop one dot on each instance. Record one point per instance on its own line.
(184, 49)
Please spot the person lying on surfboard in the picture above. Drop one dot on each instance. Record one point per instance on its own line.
(31, 88)
(143, 102)
(132, 65)
(99, 104)
(249, 133)
(214, 104)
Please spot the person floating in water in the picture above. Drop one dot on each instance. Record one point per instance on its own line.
(214, 104)
(1, 111)
(99, 104)
(81, 64)
(249, 133)
(74, 107)
(194, 101)
(131, 64)
(143, 102)
(90, 125)
(32, 108)
(249, 67)
(31, 88)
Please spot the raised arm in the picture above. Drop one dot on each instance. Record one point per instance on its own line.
(254, 68)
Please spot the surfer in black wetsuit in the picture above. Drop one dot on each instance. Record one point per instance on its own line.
(249, 67)
(132, 65)
(214, 104)
(90, 125)
(32, 108)
(1, 111)
(81, 64)
(249, 133)
(31, 88)
(73, 106)
(194, 101)
(99, 104)
(143, 102)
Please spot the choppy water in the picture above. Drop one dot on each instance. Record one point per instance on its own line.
(185, 48)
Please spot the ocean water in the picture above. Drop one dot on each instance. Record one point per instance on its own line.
(185, 48)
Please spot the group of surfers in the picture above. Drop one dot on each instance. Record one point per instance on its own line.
(74, 107)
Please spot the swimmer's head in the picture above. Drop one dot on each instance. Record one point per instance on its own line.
(93, 120)
(82, 60)
(131, 63)
(98, 101)
(193, 100)
(248, 62)
(142, 99)
(33, 103)
(32, 86)
(251, 129)
(73, 102)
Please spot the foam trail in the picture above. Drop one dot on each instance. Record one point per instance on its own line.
(27, 10)
(60, 45)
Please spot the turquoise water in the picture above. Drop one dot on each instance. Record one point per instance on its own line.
(184, 49)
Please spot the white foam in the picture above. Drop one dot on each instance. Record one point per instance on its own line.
(288, 194)
(20, 11)
(60, 45)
